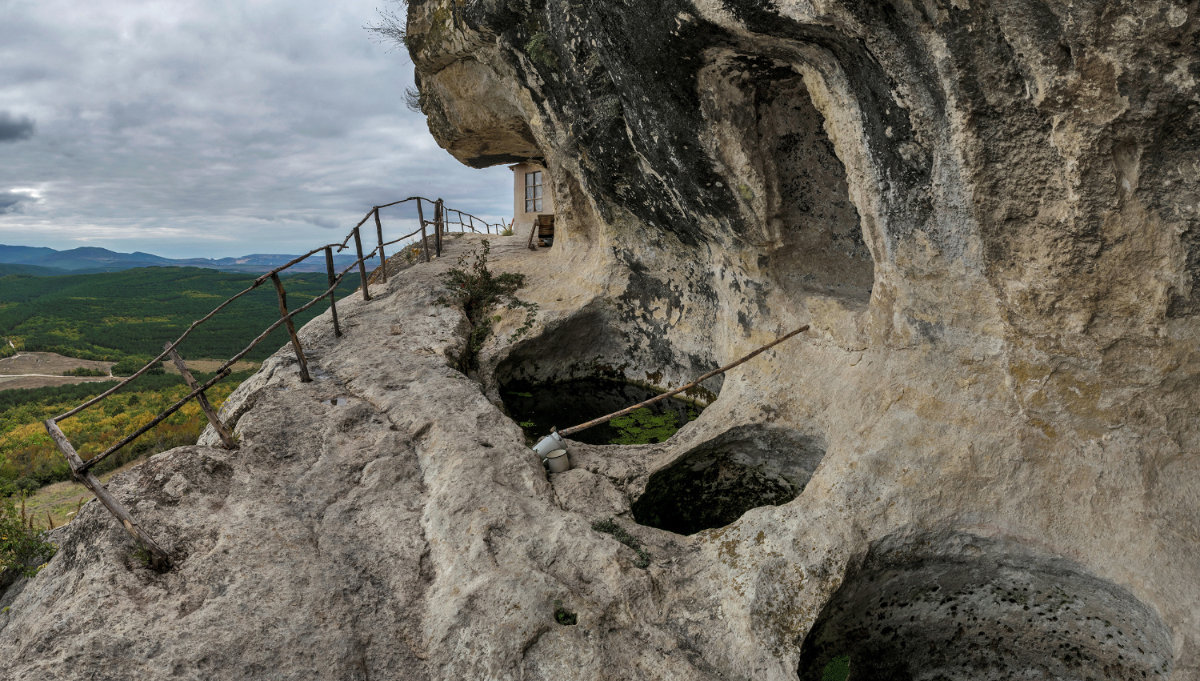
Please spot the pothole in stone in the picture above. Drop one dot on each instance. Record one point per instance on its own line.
(336, 401)
(967, 608)
(539, 407)
(713, 484)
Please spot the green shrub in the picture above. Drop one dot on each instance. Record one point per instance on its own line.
(478, 291)
(838, 669)
(563, 616)
(22, 548)
(130, 366)
(84, 371)
(539, 50)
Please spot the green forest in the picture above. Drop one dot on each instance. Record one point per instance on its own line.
(29, 459)
(133, 313)
(127, 317)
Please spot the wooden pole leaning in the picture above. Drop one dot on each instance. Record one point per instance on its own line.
(689, 386)
(159, 560)
(291, 327)
(382, 257)
(362, 269)
(202, 399)
(337, 329)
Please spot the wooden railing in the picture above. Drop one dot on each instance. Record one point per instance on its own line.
(442, 219)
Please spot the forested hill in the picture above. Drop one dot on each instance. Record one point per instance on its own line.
(90, 259)
(115, 315)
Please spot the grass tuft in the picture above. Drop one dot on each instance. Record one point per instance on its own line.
(610, 526)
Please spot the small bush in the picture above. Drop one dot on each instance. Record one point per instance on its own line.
(84, 371)
(22, 548)
(838, 669)
(539, 50)
(478, 291)
(563, 616)
(130, 366)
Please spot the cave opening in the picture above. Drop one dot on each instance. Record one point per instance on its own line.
(582, 368)
(538, 407)
(962, 608)
(792, 188)
(713, 484)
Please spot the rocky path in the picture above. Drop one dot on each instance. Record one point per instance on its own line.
(387, 521)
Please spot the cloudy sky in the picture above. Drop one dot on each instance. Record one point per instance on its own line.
(210, 127)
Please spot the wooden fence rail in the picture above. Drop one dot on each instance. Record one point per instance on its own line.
(81, 469)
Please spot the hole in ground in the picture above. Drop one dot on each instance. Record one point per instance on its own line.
(539, 407)
(967, 608)
(584, 367)
(713, 484)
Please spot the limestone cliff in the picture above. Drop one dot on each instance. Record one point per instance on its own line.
(987, 212)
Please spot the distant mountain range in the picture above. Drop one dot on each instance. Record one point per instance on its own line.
(48, 262)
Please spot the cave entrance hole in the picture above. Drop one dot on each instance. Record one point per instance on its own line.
(966, 608)
(539, 407)
(789, 181)
(583, 368)
(713, 484)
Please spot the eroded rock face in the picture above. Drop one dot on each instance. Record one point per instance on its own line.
(986, 212)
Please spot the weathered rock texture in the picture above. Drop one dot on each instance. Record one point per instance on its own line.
(987, 212)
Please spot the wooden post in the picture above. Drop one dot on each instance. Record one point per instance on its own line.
(425, 242)
(439, 218)
(337, 329)
(382, 258)
(291, 327)
(362, 269)
(205, 405)
(159, 560)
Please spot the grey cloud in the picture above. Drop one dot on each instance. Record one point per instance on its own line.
(325, 223)
(14, 128)
(203, 119)
(10, 202)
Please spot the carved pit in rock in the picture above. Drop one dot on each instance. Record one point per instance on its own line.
(538, 408)
(965, 607)
(583, 367)
(713, 484)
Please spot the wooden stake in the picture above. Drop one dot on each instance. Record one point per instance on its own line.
(698, 381)
(439, 220)
(337, 329)
(362, 269)
(382, 257)
(425, 242)
(291, 327)
(159, 560)
(202, 399)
